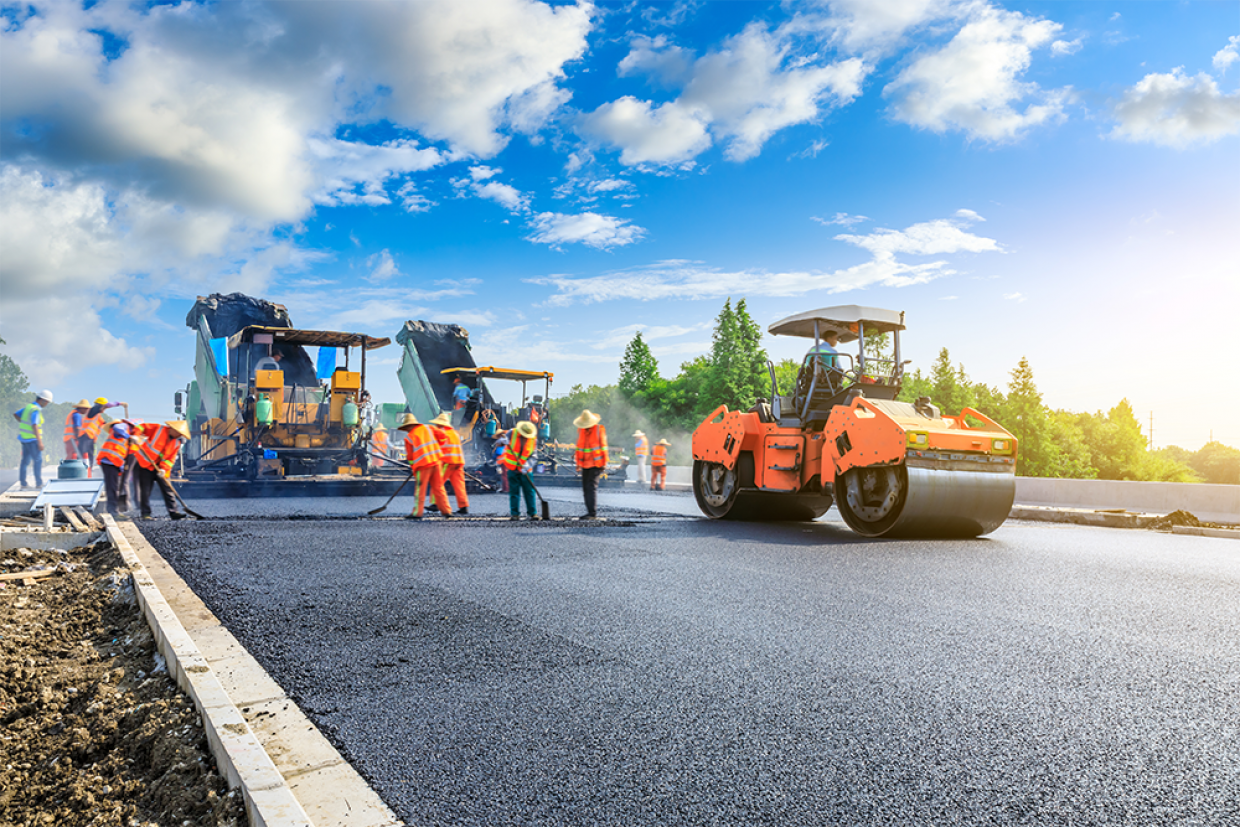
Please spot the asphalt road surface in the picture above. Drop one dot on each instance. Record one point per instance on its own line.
(680, 671)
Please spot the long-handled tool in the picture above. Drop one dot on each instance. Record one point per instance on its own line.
(546, 509)
(389, 502)
(191, 512)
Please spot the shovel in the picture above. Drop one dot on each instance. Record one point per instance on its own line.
(389, 502)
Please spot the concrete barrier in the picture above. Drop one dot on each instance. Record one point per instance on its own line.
(1213, 503)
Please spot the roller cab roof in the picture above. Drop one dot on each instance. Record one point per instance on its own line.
(843, 320)
(320, 338)
(503, 373)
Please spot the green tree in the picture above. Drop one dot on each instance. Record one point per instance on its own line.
(639, 369)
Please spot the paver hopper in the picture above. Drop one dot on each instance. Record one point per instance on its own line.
(894, 468)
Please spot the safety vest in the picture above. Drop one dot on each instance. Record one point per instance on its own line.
(115, 449)
(592, 447)
(421, 448)
(643, 447)
(28, 418)
(660, 455)
(91, 425)
(70, 433)
(449, 445)
(160, 449)
(519, 450)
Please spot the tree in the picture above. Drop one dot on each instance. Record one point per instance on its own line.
(639, 369)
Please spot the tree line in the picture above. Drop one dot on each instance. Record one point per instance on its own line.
(1053, 442)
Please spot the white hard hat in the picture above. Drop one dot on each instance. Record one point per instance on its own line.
(44, 394)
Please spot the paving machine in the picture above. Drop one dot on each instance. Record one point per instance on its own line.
(895, 469)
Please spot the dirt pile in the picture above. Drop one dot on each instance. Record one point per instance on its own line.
(92, 729)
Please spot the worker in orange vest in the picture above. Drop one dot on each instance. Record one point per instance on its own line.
(591, 457)
(658, 465)
(379, 446)
(518, 459)
(155, 456)
(453, 458)
(75, 428)
(116, 459)
(426, 461)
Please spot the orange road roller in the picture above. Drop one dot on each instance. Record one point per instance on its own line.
(895, 469)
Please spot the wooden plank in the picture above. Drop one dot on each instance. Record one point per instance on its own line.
(27, 575)
(77, 524)
(89, 519)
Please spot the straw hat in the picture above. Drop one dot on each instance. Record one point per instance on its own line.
(180, 426)
(103, 400)
(526, 429)
(663, 442)
(638, 433)
(444, 420)
(407, 422)
(587, 420)
(85, 403)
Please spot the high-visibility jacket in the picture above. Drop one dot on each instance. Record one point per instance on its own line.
(91, 425)
(115, 449)
(160, 449)
(642, 448)
(659, 456)
(72, 432)
(421, 448)
(517, 453)
(591, 447)
(449, 445)
(28, 421)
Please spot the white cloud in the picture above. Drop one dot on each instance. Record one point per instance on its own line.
(591, 229)
(1228, 55)
(971, 83)
(1176, 110)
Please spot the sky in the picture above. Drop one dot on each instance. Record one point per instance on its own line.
(1056, 181)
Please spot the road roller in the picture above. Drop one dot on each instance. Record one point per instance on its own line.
(894, 469)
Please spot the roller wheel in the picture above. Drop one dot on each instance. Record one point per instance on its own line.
(715, 488)
(871, 499)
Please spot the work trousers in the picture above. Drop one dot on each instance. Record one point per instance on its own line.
(519, 484)
(116, 484)
(31, 455)
(430, 477)
(148, 478)
(454, 475)
(658, 477)
(589, 488)
(641, 469)
(86, 452)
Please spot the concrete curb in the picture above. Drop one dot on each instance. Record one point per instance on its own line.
(269, 802)
(1230, 534)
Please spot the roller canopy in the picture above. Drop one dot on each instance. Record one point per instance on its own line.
(321, 338)
(843, 320)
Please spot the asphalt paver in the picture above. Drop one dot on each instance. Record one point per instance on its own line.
(680, 671)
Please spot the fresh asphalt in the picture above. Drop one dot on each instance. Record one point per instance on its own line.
(662, 669)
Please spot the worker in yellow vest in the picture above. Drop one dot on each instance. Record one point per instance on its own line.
(116, 459)
(641, 447)
(518, 460)
(155, 456)
(658, 465)
(591, 458)
(426, 462)
(453, 458)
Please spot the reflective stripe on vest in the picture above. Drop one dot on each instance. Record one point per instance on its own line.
(518, 451)
(69, 432)
(450, 446)
(591, 447)
(421, 448)
(115, 451)
(660, 455)
(25, 425)
(643, 447)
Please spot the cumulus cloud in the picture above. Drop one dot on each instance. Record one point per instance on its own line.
(1176, 110)
(591, 229)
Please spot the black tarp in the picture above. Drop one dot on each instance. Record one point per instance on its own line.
(441, 346)
(229, 314)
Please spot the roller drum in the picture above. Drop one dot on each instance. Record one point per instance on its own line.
(910, 501)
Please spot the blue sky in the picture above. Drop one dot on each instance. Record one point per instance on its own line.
(1053, 180)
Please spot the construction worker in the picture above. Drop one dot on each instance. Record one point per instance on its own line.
(30, 435)
(591, 457)
(75, 428)
(453, 458)
(641, 447)
(379, 446)
(155, 456)
(425, 460)
(518, 460)
(116, 459)
(658, 466)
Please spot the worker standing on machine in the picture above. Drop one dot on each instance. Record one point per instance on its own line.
(116, 460)
(155, 458)
(591, 457)
(641, 448)
(658, 466)
(453, 458)
(426, 461)
(518, 459)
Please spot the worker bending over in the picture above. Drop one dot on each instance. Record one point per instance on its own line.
(155, 457)
(518, 459)
(453, 458)
(658, 466)
(591, 457)
(641, 447)
(116, 461)
(426, 461)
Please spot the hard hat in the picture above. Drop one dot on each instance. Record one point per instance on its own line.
(587, 419)
(407, 422)
(527, 429)
(85, 403)
(103, 400)
(443, 420)
(180, 426)
(44, 394)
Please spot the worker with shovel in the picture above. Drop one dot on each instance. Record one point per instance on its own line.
(591, 456)
(155, 458)
(518, 459)
(453, 458)
(426, 461)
